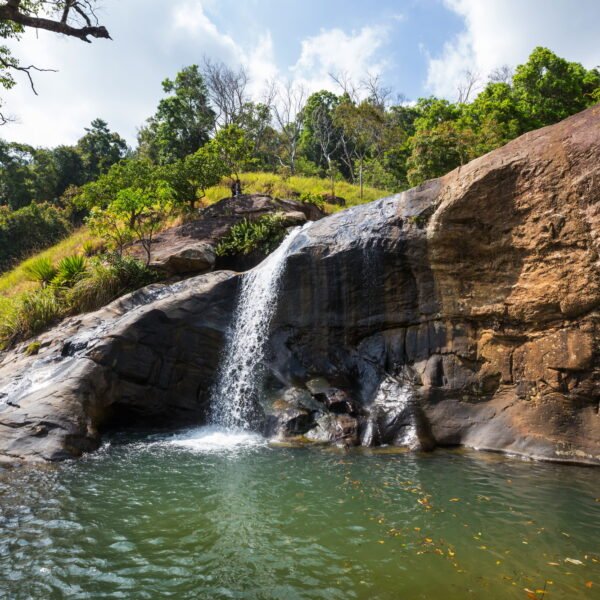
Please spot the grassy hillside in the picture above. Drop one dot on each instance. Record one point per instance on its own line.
(277, 186)
(15, 281)
(15, 284)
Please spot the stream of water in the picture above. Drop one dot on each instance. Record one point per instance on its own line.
(235, 394)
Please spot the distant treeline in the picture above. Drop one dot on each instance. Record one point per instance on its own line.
(207, 127)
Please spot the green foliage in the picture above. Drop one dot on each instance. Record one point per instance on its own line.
(33, 348)
(232, 147)
(31, 313)
(27, 229)
(310, 198)
(105, 281)
(92, 248)
(264, 235)
(183, 120)
(549, 88)
(30, 174)
(70, 270)
(100, 148)
(83, 286)
(41, 270)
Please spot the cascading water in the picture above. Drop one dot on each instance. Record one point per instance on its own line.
(234, 397)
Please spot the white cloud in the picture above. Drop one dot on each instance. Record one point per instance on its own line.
(501, 32)
(120, 80)
(261, 66)
(190, 18)
(334, 51)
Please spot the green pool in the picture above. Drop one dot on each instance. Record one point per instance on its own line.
(205, 515)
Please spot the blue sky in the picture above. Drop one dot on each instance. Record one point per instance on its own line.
(417, 47)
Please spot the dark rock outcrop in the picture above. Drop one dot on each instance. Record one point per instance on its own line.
(147, 358)
(464, 311)
(189, 249)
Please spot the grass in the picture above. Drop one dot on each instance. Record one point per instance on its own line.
(275, 185)
(17, 281)
(21, 305)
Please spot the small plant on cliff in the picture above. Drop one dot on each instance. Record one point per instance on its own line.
(70, 270)
(33, 313)
(106, 280)
(264, 234)
(41, 270)
(310, 198)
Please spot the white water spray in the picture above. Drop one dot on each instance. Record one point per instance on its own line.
(238, 381)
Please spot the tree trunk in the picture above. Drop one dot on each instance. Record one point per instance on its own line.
(360, 176)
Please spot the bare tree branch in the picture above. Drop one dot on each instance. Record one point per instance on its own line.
(346, 84)
(15, 66)
(503, 74)
(13, 11)
(227, 90)
(468, 85)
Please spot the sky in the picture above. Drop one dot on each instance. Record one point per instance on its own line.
(416, 47)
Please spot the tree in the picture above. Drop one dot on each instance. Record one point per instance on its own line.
(74, 18)
(183, 120)
(233, 149)
(287, 110)
(135, 173)
(321, 139)
(255, 121)
(363, 126)
(189, 178)
(227, 91)
(137, 210)
(100, 148)
(549, 88)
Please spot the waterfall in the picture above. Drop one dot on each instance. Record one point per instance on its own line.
(235, 395)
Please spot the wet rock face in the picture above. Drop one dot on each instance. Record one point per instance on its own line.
(464, 311)
(481, 288)
(148, 358)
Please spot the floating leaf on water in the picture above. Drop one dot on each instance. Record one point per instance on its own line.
(588, 584)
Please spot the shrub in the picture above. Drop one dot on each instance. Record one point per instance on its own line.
(32, 313)
(107, 280)
(310, 198)
(264, 234)
(33, 227)
(70, 270)
(41, 270)
(91, 248)
(33, 349)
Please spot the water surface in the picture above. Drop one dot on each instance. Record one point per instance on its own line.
(199, 515)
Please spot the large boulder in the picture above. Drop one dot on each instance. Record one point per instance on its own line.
(146, 359)
(481, 288)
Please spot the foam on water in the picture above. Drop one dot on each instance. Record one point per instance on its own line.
(216, 439)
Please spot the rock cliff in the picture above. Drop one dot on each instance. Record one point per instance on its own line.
(465, 311)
